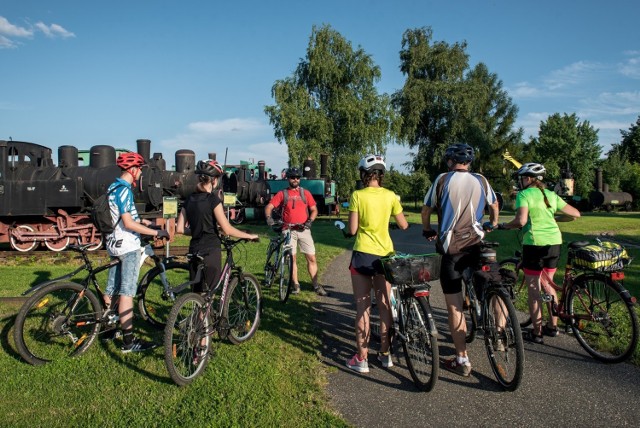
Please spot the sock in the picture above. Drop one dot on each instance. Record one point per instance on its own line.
(462, 360)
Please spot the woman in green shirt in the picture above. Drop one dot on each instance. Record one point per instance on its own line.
(536, 207)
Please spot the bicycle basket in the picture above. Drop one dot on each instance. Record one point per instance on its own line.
(606, 257)
(412, 269)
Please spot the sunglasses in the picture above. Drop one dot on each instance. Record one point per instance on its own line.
(294, 178)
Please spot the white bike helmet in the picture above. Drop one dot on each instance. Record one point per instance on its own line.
(372, 163)
(532, 169)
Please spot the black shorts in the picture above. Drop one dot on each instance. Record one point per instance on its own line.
(365, 264)
(536, 257)
(452, 267)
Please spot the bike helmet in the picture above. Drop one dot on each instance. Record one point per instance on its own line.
(130, 160)
(372, 163)
(209, 167)
(460, 153)
(293, 172)
(532, 169)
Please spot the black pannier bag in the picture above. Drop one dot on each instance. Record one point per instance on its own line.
(410, 269)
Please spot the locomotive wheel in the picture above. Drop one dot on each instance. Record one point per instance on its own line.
(56, 244)
(96, 246)
(26, 245)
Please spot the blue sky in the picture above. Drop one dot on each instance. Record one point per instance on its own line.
(197, 74)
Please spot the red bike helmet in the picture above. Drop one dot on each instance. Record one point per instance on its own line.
(130, 160)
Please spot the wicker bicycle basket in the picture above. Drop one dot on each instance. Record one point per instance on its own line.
(606, 257)
(412, 269)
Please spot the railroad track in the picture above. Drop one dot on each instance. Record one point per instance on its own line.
(41, 254)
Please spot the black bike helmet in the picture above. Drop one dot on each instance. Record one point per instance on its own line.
(460, 153)
(293, 172)
(209, 167)
(532, 169)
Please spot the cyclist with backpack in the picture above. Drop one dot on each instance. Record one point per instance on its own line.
(200, 217)
(536, 207)
(298, 207)
(124, 243)
(459, 198)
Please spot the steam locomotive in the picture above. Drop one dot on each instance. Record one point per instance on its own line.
(41, 203)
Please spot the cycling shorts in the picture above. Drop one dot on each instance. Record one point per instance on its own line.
(365, 264)
(452, 267)
(535, 258)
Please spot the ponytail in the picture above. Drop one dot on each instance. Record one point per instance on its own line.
(541, 186)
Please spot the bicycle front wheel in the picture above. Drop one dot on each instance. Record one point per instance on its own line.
(520, 290)
(242, 308)
(603, 318)
(284, 275)
(420, 342)
(503, 338)
(187, 341)
(59, 321)
(155, 292)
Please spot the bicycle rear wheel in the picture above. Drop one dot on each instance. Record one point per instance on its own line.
(186, 339)
(58, 321)
(284, 275)
(520, 290)
(420, 342)
(503, 338)
(242, 308)
(154, 299)
(469, 305)
(603, 317)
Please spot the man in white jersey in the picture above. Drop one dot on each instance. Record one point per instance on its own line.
(124, 243)
(459, 197)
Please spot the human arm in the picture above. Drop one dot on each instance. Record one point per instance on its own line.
(570, 211)
(130, 224)
(427, 231)
(227, 228)
(401, 221)
(522, 215)
(267, 213)
(181, 225)
(353, 225)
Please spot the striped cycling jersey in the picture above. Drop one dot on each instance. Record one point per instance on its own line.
(122, 240)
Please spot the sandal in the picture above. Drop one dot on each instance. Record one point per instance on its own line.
(549, 331)
(532, 338)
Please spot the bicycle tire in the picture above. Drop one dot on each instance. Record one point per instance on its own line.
(187, 343)
(284, 275)
(420, 342)
(504, 345)
(242, 308)
(613, 336)
(46, 330)
(270, 265)
(520, 291)
(470, 300)
(154, 303)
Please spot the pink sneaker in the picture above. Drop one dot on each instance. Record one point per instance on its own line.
(358, 365)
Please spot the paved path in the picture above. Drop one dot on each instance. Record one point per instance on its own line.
(562, 384)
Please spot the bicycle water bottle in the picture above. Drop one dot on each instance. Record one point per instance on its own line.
(394, 302)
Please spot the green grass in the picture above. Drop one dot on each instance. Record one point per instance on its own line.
(276, 379)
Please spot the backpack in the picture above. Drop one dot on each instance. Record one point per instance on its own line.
(277, 213)
(101, 214)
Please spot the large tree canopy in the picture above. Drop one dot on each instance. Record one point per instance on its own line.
(331, 105)
(629, 147)
(443, 102)
(564, 142)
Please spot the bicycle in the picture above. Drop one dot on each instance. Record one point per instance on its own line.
(593, 303)
(194, 319)
(487, 297)
(278, 266)
(62, 318)
(413, 323)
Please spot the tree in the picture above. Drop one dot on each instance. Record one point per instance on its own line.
(330, 105)
(563, 141)
(443, 102)
(629, 147)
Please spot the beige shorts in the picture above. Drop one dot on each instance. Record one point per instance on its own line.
(305, 240)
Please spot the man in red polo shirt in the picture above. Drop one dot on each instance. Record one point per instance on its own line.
(296, 211)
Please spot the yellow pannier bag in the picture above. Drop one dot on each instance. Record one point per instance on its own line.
(606, 257)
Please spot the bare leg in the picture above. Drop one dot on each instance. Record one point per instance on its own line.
(383, 291)
(362, 295)
(294, 270)
(535, 309)
(457, 323)
(545, 279)
(125, 308)
(312, 267)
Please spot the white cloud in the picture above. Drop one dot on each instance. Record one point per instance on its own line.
(54, 30)
(631, 67)
(572, 75)
(10, 32)
(524, 90)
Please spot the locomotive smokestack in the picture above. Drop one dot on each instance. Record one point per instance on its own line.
(324, 161)
(309, 169)
(144, 148)
(67, 156)
(599, 179)
(261, 165)
(185, 160)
